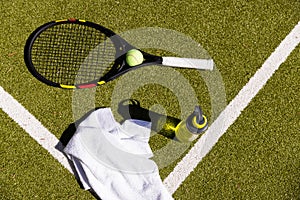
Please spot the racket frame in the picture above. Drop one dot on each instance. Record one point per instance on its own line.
(119, 68)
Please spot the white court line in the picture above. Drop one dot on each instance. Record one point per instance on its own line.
(232, 111)
(32, 126)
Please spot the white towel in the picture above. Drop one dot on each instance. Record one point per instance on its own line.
(114, 160)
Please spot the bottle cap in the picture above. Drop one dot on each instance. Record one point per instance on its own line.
(196, 123)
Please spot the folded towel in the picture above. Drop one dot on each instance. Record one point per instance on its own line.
(114, 160)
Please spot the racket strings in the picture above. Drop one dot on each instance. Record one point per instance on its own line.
(72, 54)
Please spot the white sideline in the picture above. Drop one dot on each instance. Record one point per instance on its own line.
(32, 126)
(232, 111)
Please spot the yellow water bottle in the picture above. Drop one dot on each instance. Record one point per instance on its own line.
(189, 129)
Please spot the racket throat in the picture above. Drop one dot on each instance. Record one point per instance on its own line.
(151, 59)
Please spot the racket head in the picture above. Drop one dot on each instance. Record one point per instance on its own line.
(74, 53)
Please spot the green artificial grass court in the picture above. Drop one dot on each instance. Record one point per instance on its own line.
(258, 158)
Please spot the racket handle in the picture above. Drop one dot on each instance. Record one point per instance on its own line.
(205, 64)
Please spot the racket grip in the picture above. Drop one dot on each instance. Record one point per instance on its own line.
(204, 64)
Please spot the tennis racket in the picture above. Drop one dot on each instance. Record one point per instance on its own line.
(75, 53)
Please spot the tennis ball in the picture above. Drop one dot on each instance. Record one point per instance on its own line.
(134, 57)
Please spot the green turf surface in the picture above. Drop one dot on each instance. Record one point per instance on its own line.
(28, 171)
(258, 158)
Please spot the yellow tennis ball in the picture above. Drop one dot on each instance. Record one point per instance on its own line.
(134, 57)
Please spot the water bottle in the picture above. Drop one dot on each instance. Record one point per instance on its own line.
(189, 129)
